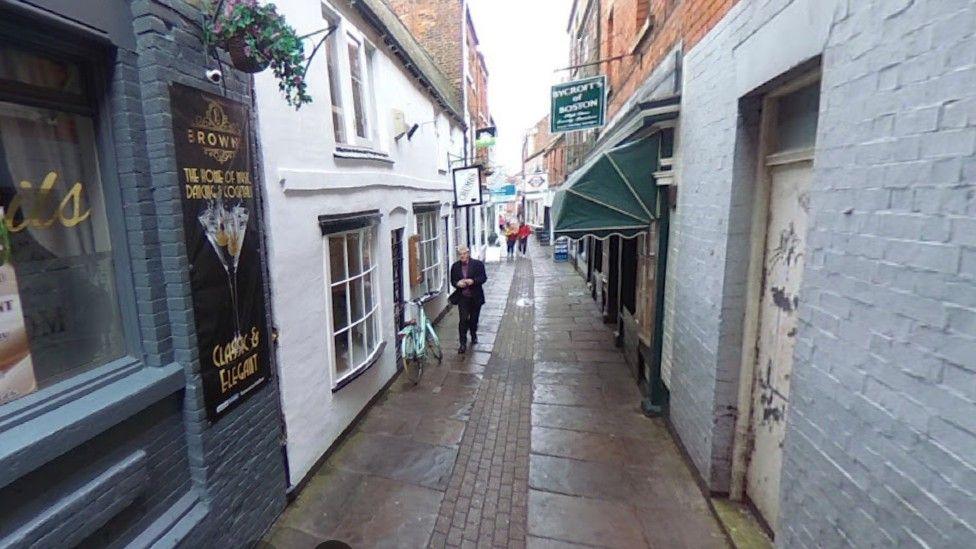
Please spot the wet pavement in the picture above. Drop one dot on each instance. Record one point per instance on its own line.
(534, 438)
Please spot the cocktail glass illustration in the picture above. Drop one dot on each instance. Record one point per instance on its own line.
(225, 229)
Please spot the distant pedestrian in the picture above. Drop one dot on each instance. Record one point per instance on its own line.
(467, 277)
(501, 223)
(511, 237)
(523, 236)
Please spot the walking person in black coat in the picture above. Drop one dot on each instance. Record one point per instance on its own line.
(467, 277)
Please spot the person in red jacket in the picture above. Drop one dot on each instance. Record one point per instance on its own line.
(511, 237)
(523, 236)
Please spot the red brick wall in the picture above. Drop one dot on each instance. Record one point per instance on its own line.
(436, 24)
(556, 163)
(477, 95)
(674, 20)
(541, 137)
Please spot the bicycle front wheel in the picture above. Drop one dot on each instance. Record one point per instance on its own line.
(413, 367)
(434, 344)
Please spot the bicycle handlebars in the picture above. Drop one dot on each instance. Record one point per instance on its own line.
(424, 298)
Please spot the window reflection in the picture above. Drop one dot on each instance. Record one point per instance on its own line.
(58, 274)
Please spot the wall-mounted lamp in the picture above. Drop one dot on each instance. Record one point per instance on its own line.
(401, 127)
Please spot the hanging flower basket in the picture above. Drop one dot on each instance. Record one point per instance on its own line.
(256, 37)
(240, 57)
(486, 142)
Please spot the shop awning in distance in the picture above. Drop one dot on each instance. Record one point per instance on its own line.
(614, 194)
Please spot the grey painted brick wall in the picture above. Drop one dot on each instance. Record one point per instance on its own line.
(167, 452)
(236, 465)
(710, 227)
(881, 446)
(881, 438)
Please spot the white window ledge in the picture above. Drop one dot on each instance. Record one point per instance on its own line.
(353, 375)
(361, 153)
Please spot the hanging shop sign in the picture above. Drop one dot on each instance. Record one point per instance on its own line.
(467, 186)
(504, 193)
(16, 367)
(578, 105)
(213, 160)
(536, 182)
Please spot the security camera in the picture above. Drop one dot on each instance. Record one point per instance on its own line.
(215, 76)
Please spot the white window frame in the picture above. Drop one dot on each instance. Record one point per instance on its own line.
(458, 240)
(333, 59)
(430, 263)
(355, 43)
(343, 37)
(442, 132)
(366, 235)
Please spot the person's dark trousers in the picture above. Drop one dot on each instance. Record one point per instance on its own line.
(523, 244)
(511, 247)
(468, 312)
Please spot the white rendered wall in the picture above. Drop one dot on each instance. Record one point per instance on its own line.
(303, 180)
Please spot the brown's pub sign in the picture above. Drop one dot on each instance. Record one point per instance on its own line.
(213, 161)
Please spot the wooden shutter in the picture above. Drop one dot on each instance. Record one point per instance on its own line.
(413, 254)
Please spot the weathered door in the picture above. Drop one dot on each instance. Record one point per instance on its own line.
(396, 244)
(611, 296)
(789, 179)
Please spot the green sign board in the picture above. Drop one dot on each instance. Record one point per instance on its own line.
(578, 105)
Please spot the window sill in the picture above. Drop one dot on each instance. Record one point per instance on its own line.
(352, 376)
(29, 440)
(643, 34)
(350, 152)
(434, 294)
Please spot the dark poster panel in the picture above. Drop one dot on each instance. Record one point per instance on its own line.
(219, 222)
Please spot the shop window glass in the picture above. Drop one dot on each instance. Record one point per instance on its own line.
(335, 87)
(59, 309)
(429, 251)
(796, 121)
(354, 301)
(457, 228)
(24, 67)
(356, 76)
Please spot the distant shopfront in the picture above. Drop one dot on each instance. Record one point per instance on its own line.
(104, 390)
(614, 209)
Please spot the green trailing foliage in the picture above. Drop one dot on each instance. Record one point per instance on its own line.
(268, 40)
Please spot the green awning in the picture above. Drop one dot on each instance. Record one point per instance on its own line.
(613, 194)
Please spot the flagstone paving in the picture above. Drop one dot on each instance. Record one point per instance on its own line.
(534, 438)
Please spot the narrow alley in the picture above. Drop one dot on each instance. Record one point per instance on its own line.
(533, 438)
(229, 230)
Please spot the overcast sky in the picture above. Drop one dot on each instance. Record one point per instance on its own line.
(523, 42)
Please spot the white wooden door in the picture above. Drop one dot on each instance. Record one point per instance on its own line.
(782, 270)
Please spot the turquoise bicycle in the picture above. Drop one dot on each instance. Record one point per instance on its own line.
(418, 340)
